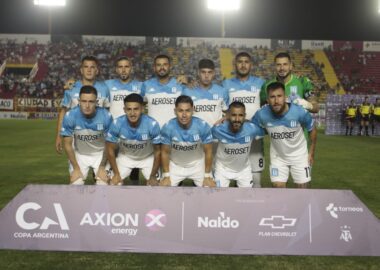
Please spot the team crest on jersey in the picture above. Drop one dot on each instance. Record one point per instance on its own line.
(293, 90)
(174, 89)
(196, 137)
(254, 89)
(293, 124)
(78, 127)
(274, 172)
(144, 137)
(247, 139)
(99, 126)
(215, 96)
(151, 90)
(134, 88)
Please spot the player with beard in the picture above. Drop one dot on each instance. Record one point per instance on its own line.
(298, 90)
(161, 91)
(284, 123)
(235, 138)
(246, 88)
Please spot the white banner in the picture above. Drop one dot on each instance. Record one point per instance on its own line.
(34, 102)
(316, 44)
(14, 115)
(371, 46)
(237, 42)
(6, 104)
(133, 40)
(28, 38)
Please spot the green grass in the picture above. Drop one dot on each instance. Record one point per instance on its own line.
(28, 156)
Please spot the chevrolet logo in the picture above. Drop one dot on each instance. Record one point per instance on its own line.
(278, 222)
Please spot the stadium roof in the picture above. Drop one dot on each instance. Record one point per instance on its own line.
(285, 19)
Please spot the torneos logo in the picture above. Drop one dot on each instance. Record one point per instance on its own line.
(155, 220)
(46, 222)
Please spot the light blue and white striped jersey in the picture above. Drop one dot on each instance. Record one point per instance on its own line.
(161, 98)
(186, 144)
(89, 133)
(247, 92)
(234, 148)
(209, 104)
(118, 91)
(286, 132)
(136, 143)
(71, 97)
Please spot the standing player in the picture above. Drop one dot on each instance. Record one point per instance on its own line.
(210, 100)
(298, 90)
(138, 136)
(161, 91)
(364, 110)
(86, 126)
(186, 150)
(246, 89)
(375, 117)
(350, 117)
(89, 71)
(284, 123)
(234, 142)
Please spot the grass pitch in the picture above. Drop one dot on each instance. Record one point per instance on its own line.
(28, 156)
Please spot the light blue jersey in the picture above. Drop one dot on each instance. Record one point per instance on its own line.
(234, 148)
(118, 91)
(71, 97)
(186, 144)
(286, 131)
(135, 143)
(88, 133)
(209, 104)
(161, 98)
(247, 92)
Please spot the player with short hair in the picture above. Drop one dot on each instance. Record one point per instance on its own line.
(235, 136)
(186, 150)
(89, 70)
(375, 114)
(364, 111)
(284, 123)
(210, 99)
(246, 89)
(138, 137)
(298, 90)
(350, 117)
(86, 126)
(161, 91)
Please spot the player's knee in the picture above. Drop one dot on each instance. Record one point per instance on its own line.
(279, 184)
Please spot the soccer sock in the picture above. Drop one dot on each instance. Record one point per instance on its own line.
(373, 129)
(360, 130)
(366, 130)
(256, 178)
(346, 130)
(351, 130)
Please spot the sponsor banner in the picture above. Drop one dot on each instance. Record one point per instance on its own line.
(132, 40)
(43, 115)
(284, 44)
(161, 41)
(176, 220)
(34, 103)
(25, 38)
(6, 104)
(339, 45)
(371, 46)
(316, 44)
(14, 115)
(238, 42)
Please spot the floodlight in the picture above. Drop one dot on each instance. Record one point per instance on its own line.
(223, 5)
(60, 3)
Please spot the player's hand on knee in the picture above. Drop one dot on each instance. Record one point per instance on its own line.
(76, 175)
(165, 182)
(116, 180)
(152, 181)
(209, 182)
(102, 174)
(58, 145)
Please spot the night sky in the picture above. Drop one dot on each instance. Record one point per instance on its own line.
(282, 19)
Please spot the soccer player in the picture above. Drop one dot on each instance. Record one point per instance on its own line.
(122, 86)
(161, 91)
(138, 137)
(89, 71)
(86, 126)
(350, 117)
(186, 150)
(364, 110)
(246, 89)
(210, 99)
(284, 123)
(375, 117)
(298, 90)
(235, 138)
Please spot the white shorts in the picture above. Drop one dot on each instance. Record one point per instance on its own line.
(179, 173)
(256, 156)
(86, 162)
(300, 171)
(125, 165)
(223, 177)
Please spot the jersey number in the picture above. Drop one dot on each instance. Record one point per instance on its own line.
(307, 170)
(261, 162)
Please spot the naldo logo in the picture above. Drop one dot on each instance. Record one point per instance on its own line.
(220, 222)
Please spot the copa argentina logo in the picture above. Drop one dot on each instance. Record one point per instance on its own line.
(41, 229)
(220, 222)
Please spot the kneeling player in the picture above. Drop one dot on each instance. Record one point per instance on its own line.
(234, 144)
(138, 136)
(87, 126)
(186, 150)
(288, 149)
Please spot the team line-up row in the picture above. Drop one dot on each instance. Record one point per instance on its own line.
(176, 135)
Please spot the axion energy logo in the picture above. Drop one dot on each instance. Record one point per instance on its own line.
(155, 220)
